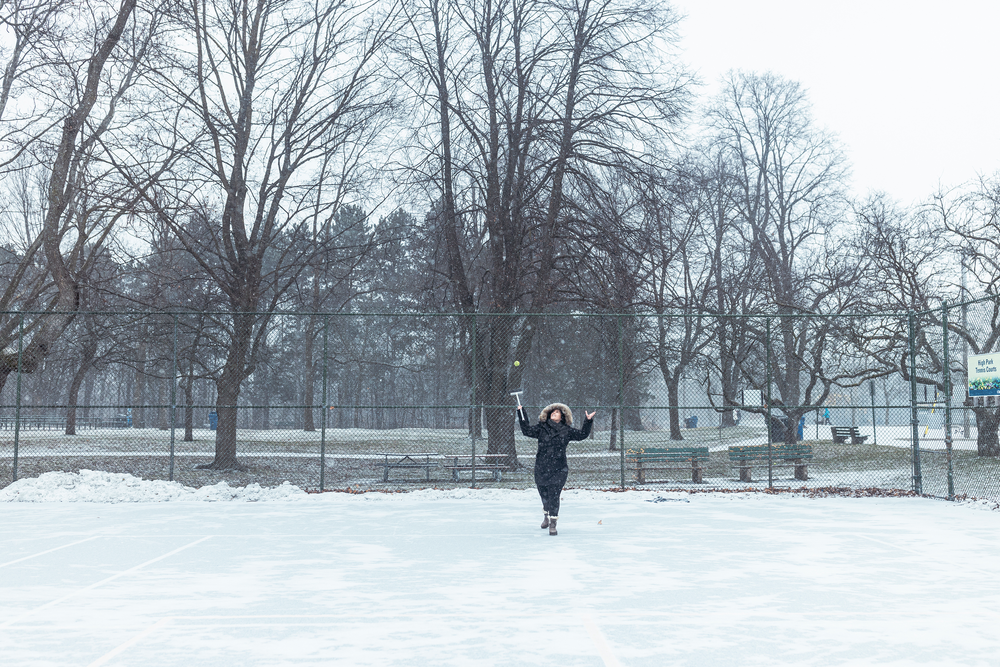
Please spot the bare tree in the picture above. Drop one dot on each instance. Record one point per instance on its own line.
(281, 100)
(972, 218)
(737, 281)
(790, 177)
(520, 96)
(681, 280)
(98, 58)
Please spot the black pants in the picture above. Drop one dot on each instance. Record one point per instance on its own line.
(550, 497)
(550, 483)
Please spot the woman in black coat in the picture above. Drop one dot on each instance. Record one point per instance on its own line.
(554, 432)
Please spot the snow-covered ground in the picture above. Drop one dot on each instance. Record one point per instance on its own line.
(229, 576)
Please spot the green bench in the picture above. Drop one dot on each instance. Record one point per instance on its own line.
(747, 457)
(651, 459)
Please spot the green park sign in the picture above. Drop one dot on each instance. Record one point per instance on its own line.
(984, 374)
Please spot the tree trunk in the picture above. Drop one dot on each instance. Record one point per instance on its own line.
(499, 422)
(475, 422)
(308, 366)
(71, 399)
(162, 412)
(613, 440)
(139, 387)
(88, 396)
(673, 400)
(88, 353)
(500, 434)
(225, 432)
(265, 395)
(228, 393)
(189, 408)
(987, 421)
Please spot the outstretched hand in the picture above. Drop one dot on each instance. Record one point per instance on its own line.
(590, 415)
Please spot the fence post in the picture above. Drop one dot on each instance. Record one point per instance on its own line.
(173, 401)
(17, 407)
(621, 400)
(871, 389)
(475, 414)
(326, 409)
(965, 353)
(947, 403)
(918, 485)
(767, 343)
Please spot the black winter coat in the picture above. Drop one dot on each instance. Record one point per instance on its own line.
(551, 467)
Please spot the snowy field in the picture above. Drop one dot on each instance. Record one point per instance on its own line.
(365, 443)
(100, 569)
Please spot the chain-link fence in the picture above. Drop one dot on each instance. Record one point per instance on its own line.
(387, 401)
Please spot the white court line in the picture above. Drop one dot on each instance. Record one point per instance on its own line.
(595, 633)
(42, 553)
(99, 583)
(600, 643)
(920, 553)
(139, 637)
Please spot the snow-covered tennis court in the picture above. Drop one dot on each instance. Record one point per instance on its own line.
(466, 577)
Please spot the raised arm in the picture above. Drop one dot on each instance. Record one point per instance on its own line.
(583, 433)
(529, 431)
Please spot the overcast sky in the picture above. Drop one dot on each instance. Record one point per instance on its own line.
(911, 88)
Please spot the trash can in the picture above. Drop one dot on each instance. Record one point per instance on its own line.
(213, 420)
(691, 422)
(779, 426)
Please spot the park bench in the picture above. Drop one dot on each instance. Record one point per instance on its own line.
(416, 461)
(495, 463)
(651, 459)
(842, 433)
(747, 457)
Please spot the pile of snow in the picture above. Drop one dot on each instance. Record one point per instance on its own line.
(980, 504)
(105, 487)
(90, 486)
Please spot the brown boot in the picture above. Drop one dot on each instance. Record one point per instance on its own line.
(545, 521)
(552, 525)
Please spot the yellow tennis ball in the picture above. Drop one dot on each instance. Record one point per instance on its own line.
(517, 363)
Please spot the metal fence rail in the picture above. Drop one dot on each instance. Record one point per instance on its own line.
(387, 401)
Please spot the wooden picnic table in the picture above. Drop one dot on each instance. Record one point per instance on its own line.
(409, 460)
(492, 462)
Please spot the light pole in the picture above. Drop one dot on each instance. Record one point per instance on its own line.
(965, 345)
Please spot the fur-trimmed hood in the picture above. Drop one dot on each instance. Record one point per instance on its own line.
(562, 407)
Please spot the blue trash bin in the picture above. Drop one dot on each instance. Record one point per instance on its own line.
(213, 420)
